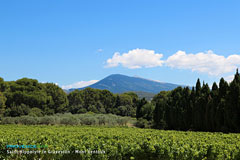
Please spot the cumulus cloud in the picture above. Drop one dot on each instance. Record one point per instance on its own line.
(136, 58)
(80, 84)
(207, 62)
(204, 62)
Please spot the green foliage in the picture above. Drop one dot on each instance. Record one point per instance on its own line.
(161, 95)
(147, 95)
(3, 85)
(126, 99)
(28, 92)
(35, 112)
(133, 95)
(2, 104)
(28, 96)
(2, 97)
(89, 118)
(49, 120)
(140, 104)
(142, 123)
(27, 120)
(147, 111)
(118, 143)
(102, 101)
(159, 114)
(25, 94)
(58, 101)
(17, 110)
(200, 109)
(69, 120)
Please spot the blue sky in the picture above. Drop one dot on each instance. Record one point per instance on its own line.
(66, 42)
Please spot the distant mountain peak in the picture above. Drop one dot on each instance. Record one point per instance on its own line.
(148, 79)
(118, 83)
(113, 75)
(136, 76)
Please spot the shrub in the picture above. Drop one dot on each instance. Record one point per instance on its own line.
(35, 112)
(49, 120)
(89, 121)
(69, 120)
(142, 123)
(8, 120)
(28, 120)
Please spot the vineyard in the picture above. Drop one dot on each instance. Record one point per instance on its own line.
(84, 142)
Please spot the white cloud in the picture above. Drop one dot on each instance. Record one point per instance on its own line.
(208, 62)
(204, 62)
(80, 84)
(229, 78)
(136, 58)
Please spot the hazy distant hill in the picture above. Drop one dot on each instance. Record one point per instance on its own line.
(148, 96)
(118, 83)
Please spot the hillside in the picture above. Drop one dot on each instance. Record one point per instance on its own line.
(118, 83)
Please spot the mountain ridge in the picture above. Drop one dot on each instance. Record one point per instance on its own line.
(118, 83)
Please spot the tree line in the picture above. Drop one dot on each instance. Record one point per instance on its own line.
(201, 108)
(198, 108)
(29, 97)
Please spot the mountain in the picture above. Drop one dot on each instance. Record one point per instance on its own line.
(118, 83)
(147, 95)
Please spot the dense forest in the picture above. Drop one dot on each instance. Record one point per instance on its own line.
(29, 97)
(200, 108)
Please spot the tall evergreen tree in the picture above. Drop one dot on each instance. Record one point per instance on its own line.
(233, 104)
(140, 104)
(159, 114)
